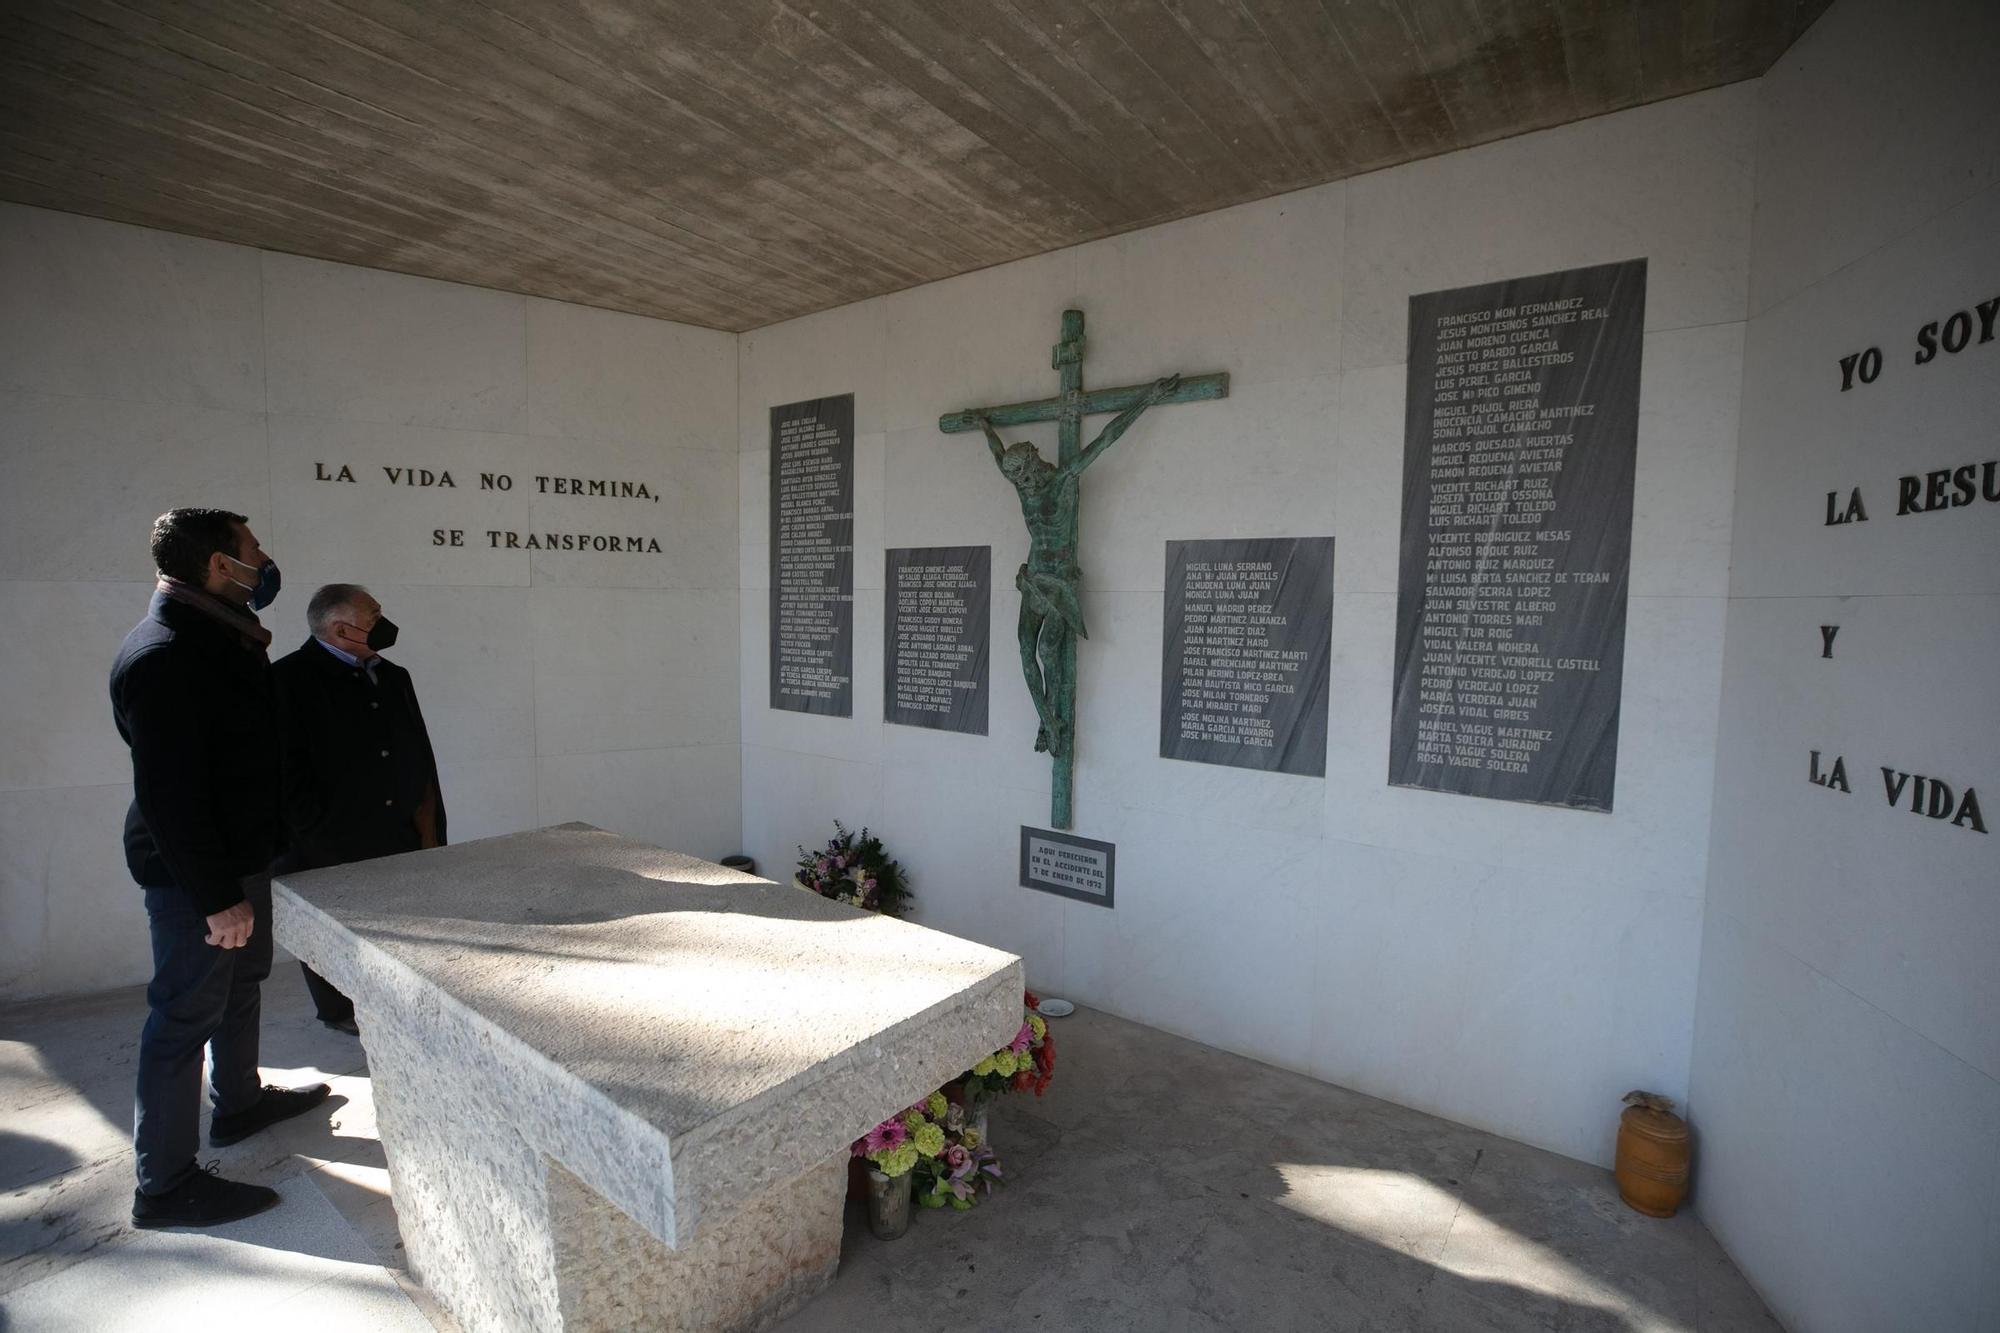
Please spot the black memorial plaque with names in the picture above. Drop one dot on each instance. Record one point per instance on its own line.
(1064, 864)
(1245, 653)
(1521, 431)
(812, 556)
(936, 637)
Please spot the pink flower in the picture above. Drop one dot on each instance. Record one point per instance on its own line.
(888, 1134)
(957, 1158)
(1022, 1039)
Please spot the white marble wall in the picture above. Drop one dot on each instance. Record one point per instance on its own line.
(1511, 966)
(141, 370)
(1847, 1056)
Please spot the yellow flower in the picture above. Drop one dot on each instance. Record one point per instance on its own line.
(1004, 1063)
(914, 1119)
(984, 1067)
(1038, 1025)
(937, 1104)
(929, 1139)
(969, 1137)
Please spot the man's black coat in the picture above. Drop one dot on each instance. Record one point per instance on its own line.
(357, 760)
(194, 703)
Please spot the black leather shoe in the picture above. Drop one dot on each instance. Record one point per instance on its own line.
(204, 1199)
(346, 1025)
(275, 1105)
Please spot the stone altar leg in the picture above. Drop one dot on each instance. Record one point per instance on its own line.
(467, 1188)
(743, 1273)
(509, 1241)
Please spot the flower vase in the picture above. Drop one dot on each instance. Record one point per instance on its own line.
(888, 1204)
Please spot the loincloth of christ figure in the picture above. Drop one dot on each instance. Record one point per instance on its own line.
(1051, 608)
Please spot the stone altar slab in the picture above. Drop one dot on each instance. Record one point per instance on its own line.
(616, 1084)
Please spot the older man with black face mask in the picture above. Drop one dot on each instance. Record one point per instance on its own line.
(192, 696)
(360, 780)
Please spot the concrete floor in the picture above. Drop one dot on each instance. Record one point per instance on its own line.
(1160, 1184)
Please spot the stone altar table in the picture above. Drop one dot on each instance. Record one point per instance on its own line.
(616, 1084)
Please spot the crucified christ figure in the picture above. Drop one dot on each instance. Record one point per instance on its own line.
(1048, 581)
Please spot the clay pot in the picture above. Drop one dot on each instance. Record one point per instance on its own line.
(1652, 1162)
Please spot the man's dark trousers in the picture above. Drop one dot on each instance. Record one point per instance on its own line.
(200, 996)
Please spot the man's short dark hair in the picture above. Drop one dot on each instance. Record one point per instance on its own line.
(334, 597)
(184, 539)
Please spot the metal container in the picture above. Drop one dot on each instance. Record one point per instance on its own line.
(888, 1204)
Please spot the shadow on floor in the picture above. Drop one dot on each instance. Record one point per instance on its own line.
(1165, 1184)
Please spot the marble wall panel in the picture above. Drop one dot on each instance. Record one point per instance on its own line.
(1795, 1072)
(958, 836)
(1690, 388)
(976, 340)
(685, 797)
(603, 375)
(1881, 117)
(362, 345)
(104, 310)
(1896, 905)
(1367, 506)
(1562, 198)
(70, 915)
(633, 669)
(791, 798)
(1165, 956)
(819, 356)
(87, 476)
(55, 658)
(489, 797)
(1509, 975)
(1253, 290)
(1803, 437)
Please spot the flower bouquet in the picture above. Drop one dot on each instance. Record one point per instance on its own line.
(1027, 1062)
(895, 1149)
(852, 868)
(957, 1176)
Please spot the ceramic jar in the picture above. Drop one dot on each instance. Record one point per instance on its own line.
(1652, 1160)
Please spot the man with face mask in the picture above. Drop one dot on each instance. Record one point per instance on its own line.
(192, 696)
(359, 777)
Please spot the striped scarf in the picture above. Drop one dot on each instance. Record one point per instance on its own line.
(239, 620)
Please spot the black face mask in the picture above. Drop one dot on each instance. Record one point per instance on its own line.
(382, 634)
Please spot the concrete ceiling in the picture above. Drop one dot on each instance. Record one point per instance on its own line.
(732, 163)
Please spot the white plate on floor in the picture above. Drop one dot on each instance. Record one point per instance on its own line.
(1053, 1008)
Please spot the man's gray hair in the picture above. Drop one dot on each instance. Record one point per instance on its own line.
(327, 604)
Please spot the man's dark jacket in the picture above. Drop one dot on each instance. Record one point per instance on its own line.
(357, 760)
(193, 700)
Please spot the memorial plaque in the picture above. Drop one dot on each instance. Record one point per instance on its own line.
(812, 556)
(1244, 659)
(1520, 435)
(1062, 863)
(936, 637)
